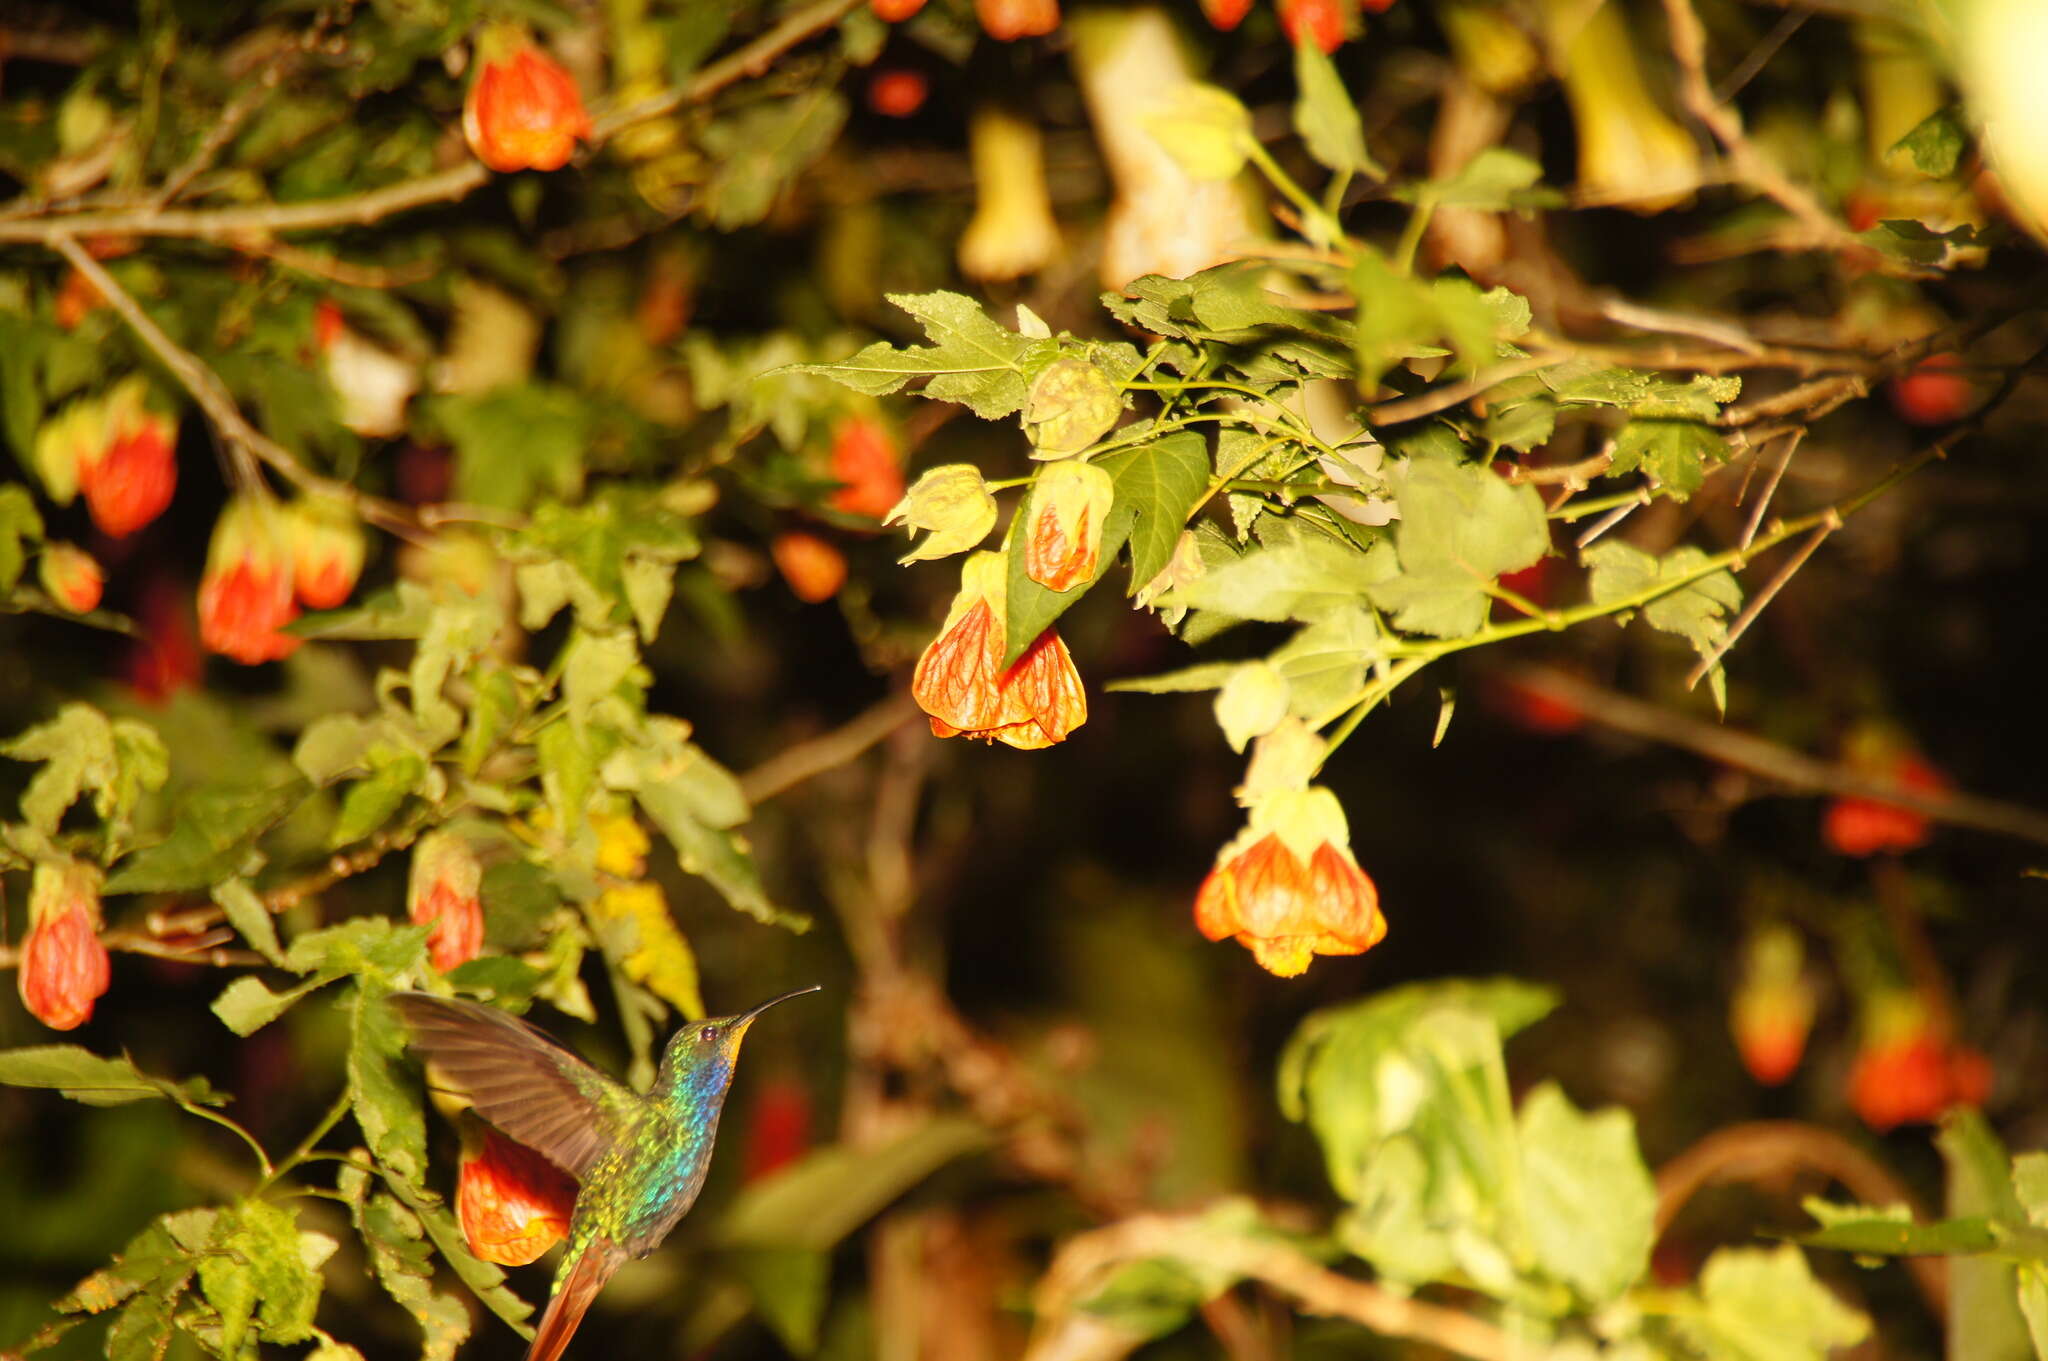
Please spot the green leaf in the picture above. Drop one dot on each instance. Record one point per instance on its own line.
(517, 443)
(1325, 116)
(1029, 609)
(212, 838)
(1461, 527)
(369, 804)
(1763, 1304)
(1295, 573)
(1158, 486)
(382, 1087)
(1203, 128)
(1496, 180)
(19, 520)
(22, 342)
(93, 1080)
(1641, 393)
(1988, 1297)
(1696, 612)
(1592, 1210)
(245, 1006)
(270, 1270)
(394, 1241)
(1200, 676)
(485, 1281)
(790, 1287)
(154, 1263)
(754, 153)
(1936, 143)
(399, 611)
(82, 751)
(1890, 1232)
(817, 1201)
(971, 360)
(246, 912)
(1675, 453)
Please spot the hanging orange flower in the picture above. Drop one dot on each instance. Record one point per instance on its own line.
(1313, 21)
(867, 466)
(1908, 1070)
(327, 550)
(444, 890)
(895, 11)
(1063, 541)
(1287, 887)
(1226, 14)
(523, 111)
(72, 578)
(1858, 826)
(63, 968)
(961, 682)
(1774, 1005)
(1009, 20)
(130, 481)
(512, 1203)
(813, 568)
(246, 595)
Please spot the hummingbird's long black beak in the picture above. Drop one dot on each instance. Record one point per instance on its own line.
(747, 1017)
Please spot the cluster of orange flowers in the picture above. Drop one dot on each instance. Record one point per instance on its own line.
(1322, 22)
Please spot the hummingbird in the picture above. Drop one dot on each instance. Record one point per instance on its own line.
(639, 1161)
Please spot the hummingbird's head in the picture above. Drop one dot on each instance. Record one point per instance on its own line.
(709, 1047)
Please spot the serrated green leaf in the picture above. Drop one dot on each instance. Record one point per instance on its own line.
(19, 520)
(1592, 1210)
(971, 359)
(246, 912)
(1325, 116)
(382, 1089)
(369, 803)
(245, 1006)
(517, 443)
(394, 1242)
(754, 153)
(1158, 486)
(1696, 612)
(95, 1080)
(1936, 143)
(1303, 576)
(1461, 527)
(212, 838)
(1496, 180)
(1645, 394)
(1763, 1304)
(1675, 453)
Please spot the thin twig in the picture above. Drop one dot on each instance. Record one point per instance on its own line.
(238, 111)
(1612, 518)
(1086, 1259)
(828, 751)
(1573, 476)
(1792, 770)
(1443, 398)
(1658, 320)
(1769, 1149)
(1763, 501)
(1749, 614)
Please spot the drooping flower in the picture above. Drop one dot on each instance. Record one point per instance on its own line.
(131, 481)
(1063, 540)
(1934, 391)
(898, 92)
(246, 595)
(512, 1203)
(1774, 1004)
(867, 465)
(1226, 14)
(1908, 1069)
(895, 11)
(523, 111)
(962, 684)
(444, 891)
(372, 384)
(813, 569)
(1287, 888)
(166, 657)
(1071, 405)
(71, 577)
(1631, 153)
(953, 502)
(1857, 826)
(327, 550)
(1013, 231)
(67, 444)
(778, 1127)
(1316, 21)
(1009, 20)
(63, 967)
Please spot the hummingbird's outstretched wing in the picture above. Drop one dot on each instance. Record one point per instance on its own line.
(523, 1082)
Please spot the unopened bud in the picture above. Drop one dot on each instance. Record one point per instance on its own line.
(1072, 405)
(952, 501)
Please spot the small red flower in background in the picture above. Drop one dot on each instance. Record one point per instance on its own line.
(779, 1128)
(1375, 6)
(895, 11)
(1858, 826)
(1533, 710)
(130, 481)
(813, 568)
(523, 111)
(246, 595)
(445, 891)
(1934, 392)
(1774, 1005)
(1908, 1070)
(63, 967)
(1317, 21)
(1009, 20)
(897, 93)
(327, 550)
(1287, 888)
(1226, 14)
(71, 577)
(512, 1203)
(961, 682)
(867, 466)
(166, 658)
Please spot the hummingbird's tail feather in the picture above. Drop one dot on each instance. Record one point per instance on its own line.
(574, 1291)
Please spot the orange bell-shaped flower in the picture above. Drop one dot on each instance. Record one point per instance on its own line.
(63, 967)
(523, 111)
(962, 683)
(1063, 541)
(246, 595)
(867, 466)
(445, 891)
(512, 1203)
(131, 481)
(1287, 887)
(71, 576)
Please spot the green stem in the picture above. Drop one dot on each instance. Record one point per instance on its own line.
(1322, 223)
(262, 1158)
(306, 1146)
(1411, 234)
(1594, 505)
